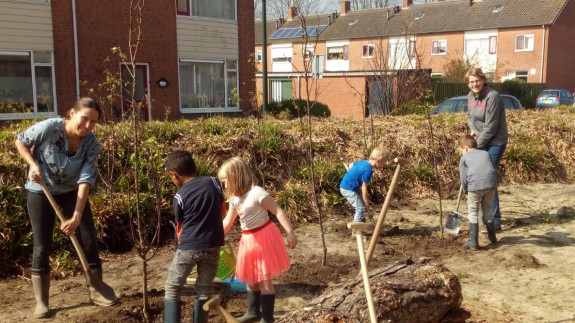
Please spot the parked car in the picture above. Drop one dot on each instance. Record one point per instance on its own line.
(459, 104)
(554, 97)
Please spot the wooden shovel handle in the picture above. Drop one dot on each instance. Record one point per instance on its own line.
(459, 198)
(400, 162)
(72, 236)
(214, 304)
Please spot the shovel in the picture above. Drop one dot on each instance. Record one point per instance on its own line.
(453, 220)
(94, 283)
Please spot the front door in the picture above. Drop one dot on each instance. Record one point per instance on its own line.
(141, 95)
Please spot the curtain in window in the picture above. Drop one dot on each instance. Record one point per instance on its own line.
(221, 9)
(477, 47)
(16, 93)
(202, 85)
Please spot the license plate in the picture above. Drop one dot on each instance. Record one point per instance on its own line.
(547, 100)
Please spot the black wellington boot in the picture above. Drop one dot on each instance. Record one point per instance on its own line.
(473, 242)
(172, 311)
(253, 311)
(491, 232)
(268, 303)
(200, 316)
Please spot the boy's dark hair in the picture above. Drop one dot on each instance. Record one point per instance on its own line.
(181, 162)
(467, 141)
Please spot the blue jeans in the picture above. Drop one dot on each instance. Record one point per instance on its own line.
(357, 202)
(183, 264)
(496, 154)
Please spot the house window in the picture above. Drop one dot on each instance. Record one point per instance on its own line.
(367, 51)
(281, 56)
(26, 84)
(524, 43)
(517, 75)
(258, 55)
(439, 47)
(219, 9)
(308, 52)
(411, 48)
(492, 44)
(338, 53)
(207, 84)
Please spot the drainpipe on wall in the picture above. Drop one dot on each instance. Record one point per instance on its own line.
(542, 55)
(76, 50)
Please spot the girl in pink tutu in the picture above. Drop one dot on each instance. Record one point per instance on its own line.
(262, 254)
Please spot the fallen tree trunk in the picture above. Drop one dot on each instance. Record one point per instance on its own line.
(404, 291)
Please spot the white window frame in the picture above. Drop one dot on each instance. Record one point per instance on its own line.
(370, 50)
(189, 13)
(527, 38)
(308, 52)
(33, 65)
(258, 55)
(524, 75)
(281, 57)
(439, 43)
(227, 107)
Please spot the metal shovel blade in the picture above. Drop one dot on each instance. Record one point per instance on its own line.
(452, 224)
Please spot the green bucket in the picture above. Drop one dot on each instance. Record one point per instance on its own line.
(226, 265)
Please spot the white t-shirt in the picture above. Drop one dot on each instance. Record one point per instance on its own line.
(252, 214)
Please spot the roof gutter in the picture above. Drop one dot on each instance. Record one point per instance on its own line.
(542, 54)
(77, 67)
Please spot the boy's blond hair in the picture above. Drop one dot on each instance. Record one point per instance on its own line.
(379, 153)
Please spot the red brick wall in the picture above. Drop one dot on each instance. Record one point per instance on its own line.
(560, 63)
(106, 25)
(246, 44)
(510, 60)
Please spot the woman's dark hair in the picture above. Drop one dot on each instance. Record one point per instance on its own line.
(86, 103)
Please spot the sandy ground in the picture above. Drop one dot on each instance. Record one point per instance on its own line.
(527, 277)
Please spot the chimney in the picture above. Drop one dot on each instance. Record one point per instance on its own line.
(387, 14)
(470, 2)
(329, 20)
(345, 7)
(292, 13)
(407, 3)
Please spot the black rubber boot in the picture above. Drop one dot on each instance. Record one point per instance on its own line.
(200, 316)
(253, 312)
(473, 242)
(268, 303)
(41, 285)
(172, 311)
(491, 232)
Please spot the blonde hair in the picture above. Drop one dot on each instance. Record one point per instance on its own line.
(238, 176)
(379, 153)
(477, 72)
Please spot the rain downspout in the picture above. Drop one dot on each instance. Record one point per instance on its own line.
(77, 67)
(542, 55)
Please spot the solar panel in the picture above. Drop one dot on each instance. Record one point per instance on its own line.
(293, 33)
(296, 32)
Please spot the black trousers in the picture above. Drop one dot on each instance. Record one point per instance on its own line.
(42, 218)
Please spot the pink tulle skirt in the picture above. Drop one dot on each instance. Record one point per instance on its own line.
(262, 255)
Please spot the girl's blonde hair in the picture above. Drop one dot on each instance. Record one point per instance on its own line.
(238, 176)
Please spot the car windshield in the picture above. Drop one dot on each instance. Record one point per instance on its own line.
(546, 94)
(452, 106)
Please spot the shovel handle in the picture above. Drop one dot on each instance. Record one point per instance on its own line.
(72, 236)
(459, 198)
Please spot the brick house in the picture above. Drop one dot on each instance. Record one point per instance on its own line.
(527, 39)
(193, 59)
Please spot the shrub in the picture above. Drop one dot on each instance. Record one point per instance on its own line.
(297, 108)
